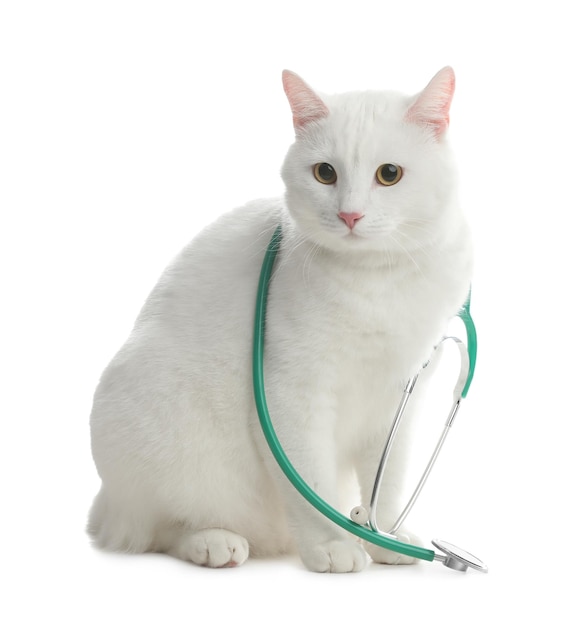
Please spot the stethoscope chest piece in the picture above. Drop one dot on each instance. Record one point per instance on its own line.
(457, 558)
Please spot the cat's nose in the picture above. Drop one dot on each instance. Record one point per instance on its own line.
(350, 219)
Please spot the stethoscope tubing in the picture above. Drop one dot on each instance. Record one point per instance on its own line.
(272, 439)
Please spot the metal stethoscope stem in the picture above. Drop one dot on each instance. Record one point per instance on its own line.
(407, 393)
(452, 557)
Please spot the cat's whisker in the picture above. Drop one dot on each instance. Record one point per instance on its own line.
(286, 258)
(420, 227)
(262, 235)
(407, 254)
(416, 244)
(389, 262)
(309, 258)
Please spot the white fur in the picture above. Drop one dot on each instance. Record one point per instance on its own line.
(351, 315)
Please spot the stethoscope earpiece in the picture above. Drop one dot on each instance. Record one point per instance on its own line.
(359, 515)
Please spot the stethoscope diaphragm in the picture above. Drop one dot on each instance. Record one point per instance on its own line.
(456, 558)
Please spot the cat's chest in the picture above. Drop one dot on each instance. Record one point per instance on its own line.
(361, 325)
(359, 310)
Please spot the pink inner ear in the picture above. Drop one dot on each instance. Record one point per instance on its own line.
(306, 105)
(432, 106)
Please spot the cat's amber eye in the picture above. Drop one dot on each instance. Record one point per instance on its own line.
(325, 173)
(388, 174)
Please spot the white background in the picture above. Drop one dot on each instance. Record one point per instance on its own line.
(127, 126)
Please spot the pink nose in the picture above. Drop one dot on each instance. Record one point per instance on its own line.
(350, 219)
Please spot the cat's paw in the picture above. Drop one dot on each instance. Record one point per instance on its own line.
(336, 556)
(388, 557)
(216, 547)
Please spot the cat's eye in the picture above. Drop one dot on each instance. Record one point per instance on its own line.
(388, 174)
(325, 173)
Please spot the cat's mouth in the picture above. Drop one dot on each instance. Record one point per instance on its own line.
(353, 240)
(360, 241)
(352, 235)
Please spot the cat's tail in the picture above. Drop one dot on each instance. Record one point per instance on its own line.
(118, 524)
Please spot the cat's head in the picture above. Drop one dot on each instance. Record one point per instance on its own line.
(371, 170)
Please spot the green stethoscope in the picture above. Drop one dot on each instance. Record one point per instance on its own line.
(362, 523)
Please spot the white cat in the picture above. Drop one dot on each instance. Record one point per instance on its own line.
(375, 259)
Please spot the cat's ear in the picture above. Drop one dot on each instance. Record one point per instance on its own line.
(306, 105)
(431, 107)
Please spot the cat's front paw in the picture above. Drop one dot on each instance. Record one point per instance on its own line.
(388, 557)
(216, 547)
(335, 556)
